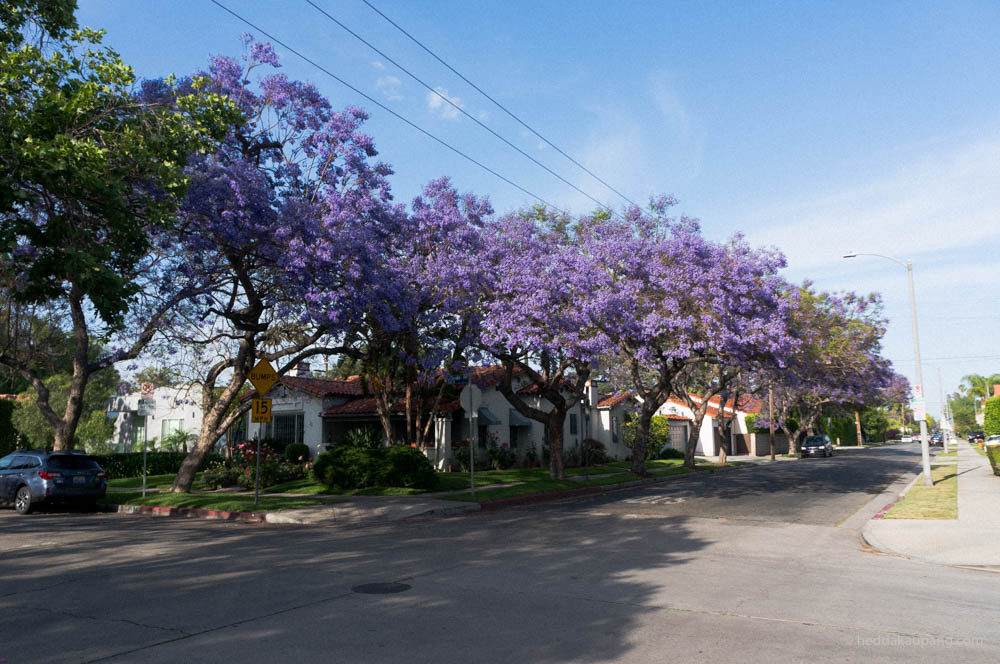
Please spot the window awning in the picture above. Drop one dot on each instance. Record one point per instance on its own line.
(486, 416)
(517, 419)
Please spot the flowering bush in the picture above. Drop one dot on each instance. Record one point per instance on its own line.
(274, 468)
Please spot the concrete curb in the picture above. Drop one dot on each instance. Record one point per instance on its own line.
(186, 512)
(286, 517)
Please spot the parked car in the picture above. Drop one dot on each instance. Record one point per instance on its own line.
(906, 438)
(817, 445)
(977, 437)
(993, 440)
(31, 477)
(937, 439)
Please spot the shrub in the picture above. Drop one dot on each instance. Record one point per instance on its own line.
(367, 437)
(596, 454)
(274, 469)
(297, 452)
(460, 453)
(347, 468)
(530, 459)
(993, 452)
(409, 467)
(501, 457)
(671, 453)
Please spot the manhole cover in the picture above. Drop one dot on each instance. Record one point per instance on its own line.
(380, 588)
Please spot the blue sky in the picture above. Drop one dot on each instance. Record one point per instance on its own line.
(821, 128)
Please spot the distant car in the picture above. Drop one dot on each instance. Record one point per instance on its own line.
(31, 477)
(817, 445)
(977, 437)
(907, 438)
(937, 439)
(993, 440)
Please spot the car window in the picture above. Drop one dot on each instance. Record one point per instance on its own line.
(5, 462)
(32, 462)
(20, 462)
(72, 462)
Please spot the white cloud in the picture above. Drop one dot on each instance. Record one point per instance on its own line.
(390, 87)
(378, 65)
(944, 201)
(437, 105)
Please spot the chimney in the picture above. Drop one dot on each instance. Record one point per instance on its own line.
(590, 392)
(302, 370)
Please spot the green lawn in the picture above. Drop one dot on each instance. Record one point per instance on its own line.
(213, 501)
(153, 482)
(930, 502)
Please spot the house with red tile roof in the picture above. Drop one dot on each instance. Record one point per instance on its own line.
(681, 419)
(321, 412)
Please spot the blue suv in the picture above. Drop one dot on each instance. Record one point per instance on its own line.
(31, 477)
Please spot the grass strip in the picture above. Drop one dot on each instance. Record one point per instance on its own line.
(939, 501)
(226, 502)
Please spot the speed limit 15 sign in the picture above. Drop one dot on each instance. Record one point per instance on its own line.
(261, 411)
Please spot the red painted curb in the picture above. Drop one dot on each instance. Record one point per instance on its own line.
(191, 512)
(881, 513)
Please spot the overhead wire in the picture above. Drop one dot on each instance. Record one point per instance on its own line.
(498, 104)
(386, 108)
(451, 103)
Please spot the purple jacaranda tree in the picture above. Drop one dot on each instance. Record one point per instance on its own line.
(839, 361)
(421, 318)
(682, 313)
(281, 231)
(535, 283)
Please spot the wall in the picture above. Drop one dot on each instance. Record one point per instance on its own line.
(172, 403)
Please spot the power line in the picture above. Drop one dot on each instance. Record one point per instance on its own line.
(498, 104)
(385, 108)
(453, 104)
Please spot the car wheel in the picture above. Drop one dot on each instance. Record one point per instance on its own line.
(22, 501)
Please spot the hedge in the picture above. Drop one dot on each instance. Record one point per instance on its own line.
(993, 452)
(992, 422)
(157, 463)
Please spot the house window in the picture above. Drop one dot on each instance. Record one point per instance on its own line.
(167, 427)
(286, 428)
(573, 427)
(614, 429)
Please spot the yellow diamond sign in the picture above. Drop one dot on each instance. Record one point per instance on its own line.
(263, 376)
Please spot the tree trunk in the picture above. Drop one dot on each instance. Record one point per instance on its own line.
(555, 427)
(640, 445)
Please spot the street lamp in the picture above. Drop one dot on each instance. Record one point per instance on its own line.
(924, 444)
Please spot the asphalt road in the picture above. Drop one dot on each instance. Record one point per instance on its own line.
(760, 564)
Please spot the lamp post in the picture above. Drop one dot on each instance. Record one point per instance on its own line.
(919, 389)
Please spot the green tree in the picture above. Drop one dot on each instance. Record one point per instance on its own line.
(94, 430)
(963, 411)
(975, 385)
(89, 173)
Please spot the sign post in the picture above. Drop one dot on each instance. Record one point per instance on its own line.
(471, 398)
(263, 376)
(146, 408)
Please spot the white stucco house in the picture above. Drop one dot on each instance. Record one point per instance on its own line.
(177, 409)
(681, 419)
(320, 412)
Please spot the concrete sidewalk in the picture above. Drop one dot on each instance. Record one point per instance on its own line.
(973, 539)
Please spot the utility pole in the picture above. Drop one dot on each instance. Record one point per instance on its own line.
(770, 419)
